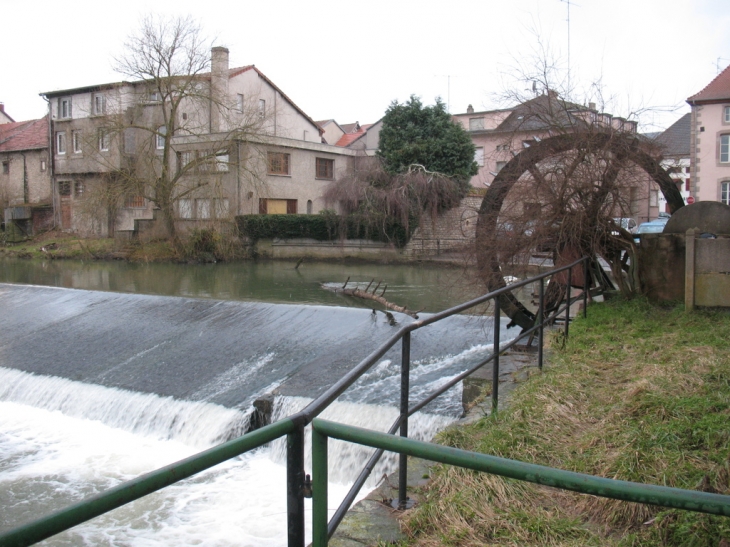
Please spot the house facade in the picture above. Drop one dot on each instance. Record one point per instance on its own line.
(239, 145)
(710, 141)
(500, 134)
(25, 176)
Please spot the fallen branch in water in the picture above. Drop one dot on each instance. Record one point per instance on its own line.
(357, 293)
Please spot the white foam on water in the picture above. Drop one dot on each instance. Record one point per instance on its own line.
(194, 423)
(346, 460)
(49, 460)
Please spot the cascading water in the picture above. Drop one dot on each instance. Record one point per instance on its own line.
(65, 438)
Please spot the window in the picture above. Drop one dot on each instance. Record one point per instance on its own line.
(262, 108)
(76, 141)
(61, 142)
(475, 124)
(277, 206)
(726, 117)
(78, 189)
(160, 137)
(222, 161)
(134, 202)
(724, 148)
(104, 139)
(185, 208)
(725, 193)
(500, 165)
(203, 208)
(479, 156)
(184, 159)
(43, 165)
(309, 206)
(239, 102)
(64, 188)
(278, 163)
(155, 97)
(99, 104)
(325, 169)
(6, 167)
(64, 107)
(653, 198)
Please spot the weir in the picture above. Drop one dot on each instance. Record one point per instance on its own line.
(97, 388)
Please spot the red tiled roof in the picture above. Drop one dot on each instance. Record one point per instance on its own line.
(30, 135)
(717, 90)
(348, 138)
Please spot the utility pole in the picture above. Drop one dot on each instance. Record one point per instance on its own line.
(568, 4)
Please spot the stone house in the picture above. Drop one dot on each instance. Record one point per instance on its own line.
(25, 179)
(710, 141)
(240, 146)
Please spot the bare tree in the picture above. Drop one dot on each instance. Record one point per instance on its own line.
(174, 128)
(567, 171)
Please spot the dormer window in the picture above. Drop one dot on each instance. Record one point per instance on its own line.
(476, 124)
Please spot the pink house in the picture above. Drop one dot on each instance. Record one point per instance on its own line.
(710, 141)
(498, 133)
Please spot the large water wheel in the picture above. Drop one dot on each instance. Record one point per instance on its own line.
(559, 196)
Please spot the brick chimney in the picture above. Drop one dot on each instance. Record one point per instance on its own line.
(218, 88)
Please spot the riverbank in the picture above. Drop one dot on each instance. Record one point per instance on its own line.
(208, 246)
(638, 393)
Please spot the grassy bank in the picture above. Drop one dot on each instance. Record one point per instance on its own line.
(199, 246)
(639, 393)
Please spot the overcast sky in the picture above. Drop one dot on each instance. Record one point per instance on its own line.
(348, 60)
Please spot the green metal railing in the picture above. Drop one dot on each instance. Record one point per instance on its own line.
(664, 496)
(293, 426)
(91, 507)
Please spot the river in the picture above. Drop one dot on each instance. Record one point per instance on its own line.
(98, 386)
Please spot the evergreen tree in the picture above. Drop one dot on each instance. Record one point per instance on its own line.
(414, 134)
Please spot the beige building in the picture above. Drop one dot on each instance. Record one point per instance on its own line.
(710, 141)
(240, 146)
(25, 179)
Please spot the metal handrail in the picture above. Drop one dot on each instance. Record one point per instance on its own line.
(691, 500)
(73, 515)
(293, 427)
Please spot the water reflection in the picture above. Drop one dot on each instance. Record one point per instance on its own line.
(429, 288)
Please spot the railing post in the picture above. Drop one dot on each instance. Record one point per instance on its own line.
(319, 489)
(541, 318)
(295, 487)
(495, 363)
(586, 285)
(567, 303)
(405, 371)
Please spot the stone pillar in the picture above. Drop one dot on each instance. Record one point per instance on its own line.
(689, 270)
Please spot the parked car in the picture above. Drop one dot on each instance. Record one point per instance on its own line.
(627, 223)
(651, 227)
